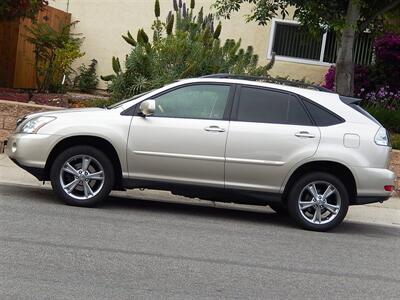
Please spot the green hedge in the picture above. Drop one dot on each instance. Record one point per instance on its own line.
(390, 119)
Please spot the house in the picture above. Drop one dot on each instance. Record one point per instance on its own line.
(103, 22)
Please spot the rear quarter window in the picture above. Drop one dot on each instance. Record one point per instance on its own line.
(268, 106)
(320, 115)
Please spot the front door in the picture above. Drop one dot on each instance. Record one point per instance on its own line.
(269, 133)
(184, 141)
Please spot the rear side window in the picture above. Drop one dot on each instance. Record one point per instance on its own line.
(321, 116)
(265, 106)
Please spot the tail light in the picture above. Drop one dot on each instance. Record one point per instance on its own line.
(382, 137)
(389, 188)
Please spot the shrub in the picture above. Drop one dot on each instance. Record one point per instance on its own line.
(383, 97)
(390, 119)
(330, 78)
(14, 9)
(185, 45)
(87, 79)
(386, 70)
(362, 82)
(90, 103)
(54, 53)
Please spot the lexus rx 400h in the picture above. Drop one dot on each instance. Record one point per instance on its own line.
(304, 152)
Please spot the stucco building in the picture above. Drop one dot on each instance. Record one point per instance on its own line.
(102, 22)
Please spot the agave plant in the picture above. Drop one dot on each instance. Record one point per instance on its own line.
(186, 44)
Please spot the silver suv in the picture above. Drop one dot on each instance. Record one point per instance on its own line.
(305, 152)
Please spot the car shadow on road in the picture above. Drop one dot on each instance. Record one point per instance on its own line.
(248, 214)
(196, 209)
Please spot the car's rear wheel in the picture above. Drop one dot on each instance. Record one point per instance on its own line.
(318, 201)
(82, 176)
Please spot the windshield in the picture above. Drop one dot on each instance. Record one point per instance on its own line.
(118, 104)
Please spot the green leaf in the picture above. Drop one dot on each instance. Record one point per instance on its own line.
(129, 40)
(116, 65)
(157, 8)
(108, 77)
(217, 31)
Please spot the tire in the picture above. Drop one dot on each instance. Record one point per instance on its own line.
(87, 180)
(321, 214)
(279, 208)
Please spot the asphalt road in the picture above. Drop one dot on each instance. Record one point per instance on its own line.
(138, 249)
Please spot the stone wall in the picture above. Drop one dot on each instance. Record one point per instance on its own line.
(11, 111)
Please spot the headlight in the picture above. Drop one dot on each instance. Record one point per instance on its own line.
(32, 126)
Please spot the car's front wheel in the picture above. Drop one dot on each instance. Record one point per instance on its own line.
(318, 201)
(82, 176)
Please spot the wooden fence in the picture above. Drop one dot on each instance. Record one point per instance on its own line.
(17, 58)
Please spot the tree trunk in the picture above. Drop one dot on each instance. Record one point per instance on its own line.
(344, 61)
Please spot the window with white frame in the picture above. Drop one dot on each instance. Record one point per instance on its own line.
(290, 42)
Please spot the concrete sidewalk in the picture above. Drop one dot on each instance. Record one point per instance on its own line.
(387, 213)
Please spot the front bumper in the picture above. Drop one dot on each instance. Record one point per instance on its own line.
(30, 151)
(39, 173)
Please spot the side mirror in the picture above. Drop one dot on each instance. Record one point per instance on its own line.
(147, 107)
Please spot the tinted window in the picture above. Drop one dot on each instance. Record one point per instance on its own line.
(321, 116)
(195, 101)
(264, 106)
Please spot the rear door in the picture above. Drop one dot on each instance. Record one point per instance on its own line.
(270, 131)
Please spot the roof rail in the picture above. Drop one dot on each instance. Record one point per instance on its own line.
(269, 80)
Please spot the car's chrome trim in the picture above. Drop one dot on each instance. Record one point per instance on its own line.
(254, 161)
(178, 155)
(212, 158)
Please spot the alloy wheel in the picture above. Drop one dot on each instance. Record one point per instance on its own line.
(82, 177)
(319, 202)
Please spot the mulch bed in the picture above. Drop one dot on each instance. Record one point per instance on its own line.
(58, 100)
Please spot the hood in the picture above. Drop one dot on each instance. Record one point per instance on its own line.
(62, 111)
(56, 113)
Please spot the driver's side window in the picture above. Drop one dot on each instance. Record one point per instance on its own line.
(194, 101)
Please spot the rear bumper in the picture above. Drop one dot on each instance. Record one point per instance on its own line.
(369, 199)
(371, 184)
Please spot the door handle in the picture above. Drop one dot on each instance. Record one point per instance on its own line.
(214, 129)
(305, 134)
